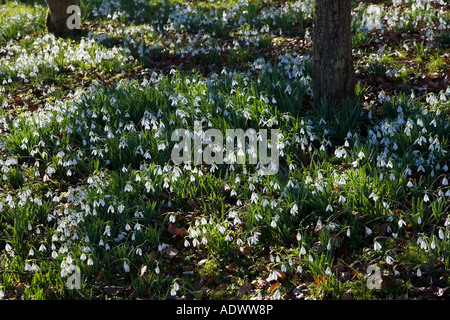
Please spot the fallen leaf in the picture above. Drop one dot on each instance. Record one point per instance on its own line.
(176, 231)
(245, 251)
(210, 279)
(274, 286)
(113, 290)
(232, 267)
(439, 292)
(171, 252)
(320, 280)
(262, 282)
(191, 203)
(20, 287)
(347, 296)
(261, 267)
(50, 291)
(152, 255)
(246, 288)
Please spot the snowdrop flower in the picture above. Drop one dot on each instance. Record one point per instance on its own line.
(277, 295)
(174, 290)
(126, 267)
(373, 196)
(377, 246)
(302, 251)
(433, 245)
(319, 223)
(441, 234)
(389, 260)
(294, 209)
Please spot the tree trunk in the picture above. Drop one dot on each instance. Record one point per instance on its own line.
(333, 71)
(57, 16)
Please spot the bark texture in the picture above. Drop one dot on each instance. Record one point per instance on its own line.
(333, 71)
(57, 16)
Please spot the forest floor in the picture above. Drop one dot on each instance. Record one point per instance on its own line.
(358, 208)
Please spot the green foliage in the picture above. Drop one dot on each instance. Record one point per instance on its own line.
(88, 180)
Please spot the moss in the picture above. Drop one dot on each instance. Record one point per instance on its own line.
(413, 255)
(209, 269)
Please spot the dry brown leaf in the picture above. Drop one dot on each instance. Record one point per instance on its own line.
(113, 290)
(261, 283)
(246, 288)
(261, 267)
(245, 251)
(274, 286)
(347, 296)
(152, 255)
(232, 267)
(320, 280)
(20, 287)
(176, 231)
(191, 203)
(171, 252)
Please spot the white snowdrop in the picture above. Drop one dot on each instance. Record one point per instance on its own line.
(389, 260)
(377, 246)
